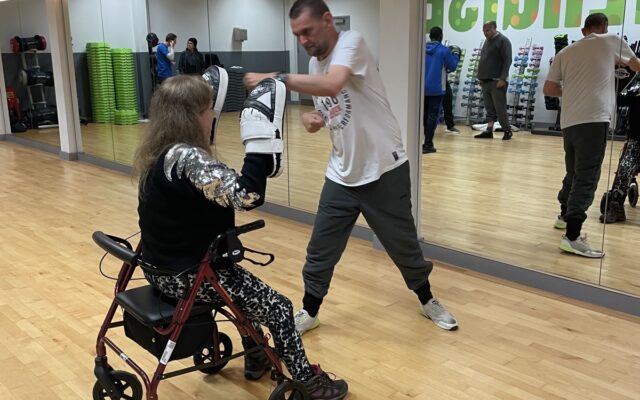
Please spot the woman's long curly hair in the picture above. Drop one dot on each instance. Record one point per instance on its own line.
(174, 111)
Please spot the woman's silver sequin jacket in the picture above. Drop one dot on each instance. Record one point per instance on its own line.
(214, 179)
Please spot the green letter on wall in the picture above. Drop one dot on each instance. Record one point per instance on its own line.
(517, 20)
(551, 14)
(490, 11)
(614, 11)
(573, 15)
(459, 23)
(437, 14)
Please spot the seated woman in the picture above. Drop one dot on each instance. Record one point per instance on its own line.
(629, 163)
(187, 198)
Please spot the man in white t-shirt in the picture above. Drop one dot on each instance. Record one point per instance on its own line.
(368, 170)
(583, 74)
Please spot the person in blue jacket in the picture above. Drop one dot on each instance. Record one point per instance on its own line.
(438, 60)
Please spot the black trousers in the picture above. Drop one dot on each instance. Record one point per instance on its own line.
(584, 149)
(447, 106)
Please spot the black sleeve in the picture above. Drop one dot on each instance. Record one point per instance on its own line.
(254, 175)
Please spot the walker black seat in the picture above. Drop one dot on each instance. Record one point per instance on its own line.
(152, 308)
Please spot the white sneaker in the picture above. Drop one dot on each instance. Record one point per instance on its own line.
(560, 223)
(439, 315)
(305, 322)
(580, 246)
(452, 130)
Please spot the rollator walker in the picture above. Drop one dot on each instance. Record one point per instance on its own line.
(177, 329)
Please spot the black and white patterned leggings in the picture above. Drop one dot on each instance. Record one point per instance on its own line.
(629, 165)
(260, 303)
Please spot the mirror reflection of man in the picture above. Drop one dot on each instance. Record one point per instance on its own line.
(368, 170)
(583, 75)
(493, 73)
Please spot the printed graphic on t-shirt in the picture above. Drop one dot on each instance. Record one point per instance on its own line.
(336, 111)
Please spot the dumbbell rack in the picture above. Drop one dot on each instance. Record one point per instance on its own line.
(454, 79)
(560, 41)
(474, 101)
(524, 83)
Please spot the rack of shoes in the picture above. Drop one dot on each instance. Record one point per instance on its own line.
(472, 92)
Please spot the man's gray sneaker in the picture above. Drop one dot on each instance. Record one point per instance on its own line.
(580, 246)
(439, 315)
(560, 223)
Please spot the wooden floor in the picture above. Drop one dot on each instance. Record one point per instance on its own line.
(513, 343)
(490, 198)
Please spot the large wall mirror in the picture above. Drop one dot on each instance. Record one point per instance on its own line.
(28, 75)
(498, 198)
(109, 54)
(309, 153)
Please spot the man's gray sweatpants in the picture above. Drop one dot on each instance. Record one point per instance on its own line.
(495, 103)
(386, 205)
(584, 149)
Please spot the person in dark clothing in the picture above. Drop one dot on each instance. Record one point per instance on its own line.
(447, 108)
(191, 60)
(629, 164)
(493, 73)
(187, 197)
(438, 60)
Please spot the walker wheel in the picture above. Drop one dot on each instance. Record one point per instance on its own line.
(633, 194)
(290, 390)
(603, 202)
(206, 353)
(127, 383)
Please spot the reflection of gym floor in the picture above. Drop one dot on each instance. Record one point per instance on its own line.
(514, 343)
(50, 136)
(491, 198)
(498, 200)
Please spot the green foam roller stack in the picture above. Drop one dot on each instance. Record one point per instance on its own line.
(101, 82)
(125, 86)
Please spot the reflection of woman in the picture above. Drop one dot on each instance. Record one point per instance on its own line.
(187, 198)
(629, 164)
(191, 60)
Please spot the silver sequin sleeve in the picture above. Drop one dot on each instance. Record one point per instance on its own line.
(215, 180)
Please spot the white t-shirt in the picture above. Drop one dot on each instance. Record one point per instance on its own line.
(365, 134)
(586, 71)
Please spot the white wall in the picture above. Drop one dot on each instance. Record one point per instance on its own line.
(365, 18)
(264, 21)
(22, 18)
(185, 18)
(117, 22)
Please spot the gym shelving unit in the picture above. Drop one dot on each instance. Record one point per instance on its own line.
(454, 79)
(523, 84)
(40, 113)
(474, 103)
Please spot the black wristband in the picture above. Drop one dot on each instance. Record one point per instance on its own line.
(282, 77)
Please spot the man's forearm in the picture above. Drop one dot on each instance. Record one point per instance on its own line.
(314, 85)
(552, 89)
